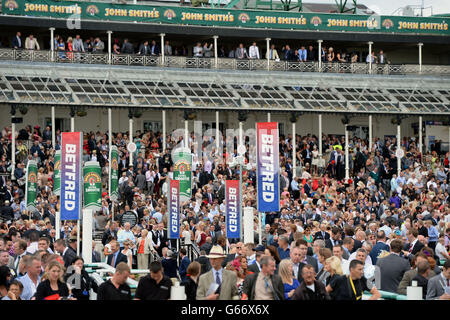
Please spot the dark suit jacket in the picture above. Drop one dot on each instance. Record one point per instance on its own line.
(318, 235)
(392, 269)
(356, 245)
(301, 293)
(417, 247)
(69, 256)
(329, 244)
(170, 267)
(250, 284)
(120, 258)
(253, 268)
(183, 268)
(376, 251)
(205, 264)
(15, 42)
(310, 260)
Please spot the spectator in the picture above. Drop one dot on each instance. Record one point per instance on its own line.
(289, 282)
(155, 286)
(191, 282)
(17, 41)
(185, 262)
(31, 43)
(253, 51)
(127, 47)
(392, 267)
(116, 287)
(272, 54)
(241, 52)
(52, 286)
(310, 288)
(436, 285)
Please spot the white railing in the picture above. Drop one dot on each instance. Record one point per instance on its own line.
(220, 63)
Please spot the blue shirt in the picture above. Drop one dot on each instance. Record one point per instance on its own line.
(288, 288)
(215, 272)
(433, 234)
(157, 216)
(29, 288)
(124, 235)
(302, 54)
(284, 254)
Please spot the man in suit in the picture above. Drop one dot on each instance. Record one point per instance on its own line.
(392, 267)
(31, 43)
(304, 290)
(154, 49)
(288, 55)
(436, 285)
(204, 262)
(410, 274)
(225, 280)
(264, 285)
(207, 246)
(241, 52)
(334, 239)
(17, 41)
(144, 49)
(239, 251)
(322, 234)
(299, 259)
(67, 253)
(379, 246)
(185, 262)
(127, 47)
(311, 54)
(116, 256)
(413, 246)
(272, 54)
(256, 267)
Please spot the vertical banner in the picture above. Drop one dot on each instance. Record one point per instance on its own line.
(92, 185)
(113, 186)
(57, 174)
(267, 166)
(174, 209)
(71, 189)
(31, 185)
(182, 172)
(233, 203)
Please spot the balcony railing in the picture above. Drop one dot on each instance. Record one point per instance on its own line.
(219, 63)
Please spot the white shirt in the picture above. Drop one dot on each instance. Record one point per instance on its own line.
(253, 52)
(311, 287)
(439, 250)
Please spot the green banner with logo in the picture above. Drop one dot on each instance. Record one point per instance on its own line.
(113, 173)
(73, 10)
(57, 173)
(183, 173)
(92, 181)
(31, 185)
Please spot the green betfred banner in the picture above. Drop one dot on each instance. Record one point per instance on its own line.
(92, 182)
(183, 173)
(31, 185)
(73, 10)
(114, 174)
(57, 173)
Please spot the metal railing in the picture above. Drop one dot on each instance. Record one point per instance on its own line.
(219, 63)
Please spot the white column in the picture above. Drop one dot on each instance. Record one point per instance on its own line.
(420, 57)
(294, 152)
(53, 127)
(370, 54)
(131, 138)
(52, 44)
(164, 129)
(370, 133)
(216, 58)
(268, 117)
(110, 129)
(240, 133)
(347, 169)
(13, 148)
(72, 124)
(268, 52)
(87, 236)
(186, 134)
(217, 135)
(58, 224)
(320, 136)
(320, 54)
(162, 49)
(109, 46)
(260, 227)
(399, 160)
(420, 134)
(78, 237)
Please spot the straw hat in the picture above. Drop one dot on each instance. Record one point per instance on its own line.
(216, 252)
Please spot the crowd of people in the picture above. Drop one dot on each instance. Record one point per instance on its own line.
(66, 47)
(326, 242)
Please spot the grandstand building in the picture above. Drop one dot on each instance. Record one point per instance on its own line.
(410, 90)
